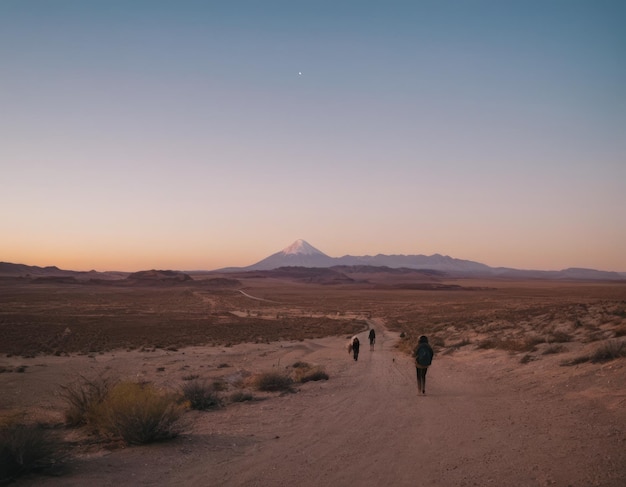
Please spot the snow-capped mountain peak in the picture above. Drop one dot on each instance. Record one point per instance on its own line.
(301, 247)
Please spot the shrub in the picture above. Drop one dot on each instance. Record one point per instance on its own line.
(219, 385)
(609, 350)
(25, 448)
(575, 361)
(526, 358)
(201, 396)
(510, 345)
(272, 382)
(82, 396)
(305, 373)
(241, 396)
(314, 374)
(138, 413)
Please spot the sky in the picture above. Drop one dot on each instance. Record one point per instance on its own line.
(197, 135)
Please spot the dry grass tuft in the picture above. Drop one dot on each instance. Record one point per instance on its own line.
(138, 413)
(604, 352)
(609, 350)
(25, 448)
(272, 382)
(201, 396)
(83, 395)
(304, 372)
(240, 396)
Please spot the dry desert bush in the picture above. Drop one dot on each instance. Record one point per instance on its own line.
(304, 372)
(604, 352)
(138, 413)
(272, 382)
(83, 395)
(240, 396)
(200, 395)
(25, 447)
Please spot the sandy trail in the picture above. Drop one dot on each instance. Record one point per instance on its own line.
(485, 420)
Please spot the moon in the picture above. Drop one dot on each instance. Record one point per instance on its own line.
(299, 73)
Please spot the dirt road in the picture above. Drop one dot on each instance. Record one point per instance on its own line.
(485, 420)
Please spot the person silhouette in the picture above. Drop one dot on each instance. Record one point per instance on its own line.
(372, 337)
(423, 354)
(355, 348)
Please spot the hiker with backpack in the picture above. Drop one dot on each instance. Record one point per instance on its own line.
(423, 354)
(372, 337)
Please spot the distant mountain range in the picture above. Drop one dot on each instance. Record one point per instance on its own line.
(302, 254)
(22, 270)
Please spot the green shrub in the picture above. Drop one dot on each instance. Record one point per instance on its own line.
(201, 396)
(25, 448)
(138, 413)
(82, 396)
(272, 382)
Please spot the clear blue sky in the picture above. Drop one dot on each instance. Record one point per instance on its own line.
(199, 134)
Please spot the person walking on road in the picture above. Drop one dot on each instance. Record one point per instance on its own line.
(355, 348)
(423, 354)
(372, 337)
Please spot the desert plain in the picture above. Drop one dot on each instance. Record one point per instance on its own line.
(527, 388)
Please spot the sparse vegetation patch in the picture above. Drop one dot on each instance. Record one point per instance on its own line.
(82, 397)
(604, 352)
(304, 372)
(25, 448)
(138, 413)
(201, 396)
(241, 396)
(273, 382)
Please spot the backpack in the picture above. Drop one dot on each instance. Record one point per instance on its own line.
(424, 357)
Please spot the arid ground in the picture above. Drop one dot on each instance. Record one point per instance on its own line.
(524, 389)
